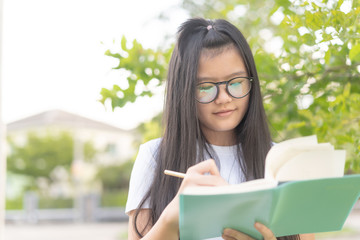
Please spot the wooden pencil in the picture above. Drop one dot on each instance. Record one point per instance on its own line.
(174, 174)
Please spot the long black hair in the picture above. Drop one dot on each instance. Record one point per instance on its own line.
(183, 143)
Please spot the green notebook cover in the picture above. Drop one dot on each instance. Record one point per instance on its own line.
(307, 206)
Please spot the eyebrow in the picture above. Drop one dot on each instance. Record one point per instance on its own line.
(235, 74)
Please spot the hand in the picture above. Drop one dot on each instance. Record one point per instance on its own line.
(231, 234)
(194, 177)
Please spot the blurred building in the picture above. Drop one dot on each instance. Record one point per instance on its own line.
(114, 145)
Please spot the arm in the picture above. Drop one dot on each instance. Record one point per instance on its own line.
(141, 223)
(162, 227)
(168, 223)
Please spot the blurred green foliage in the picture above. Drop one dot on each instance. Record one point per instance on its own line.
(45, 202)
(115, 177)
(115, 183)
(150, 129)
(14, 203)
(42, 153)
(114, 198)
(308, 59)
(48, 202)
(143, 70)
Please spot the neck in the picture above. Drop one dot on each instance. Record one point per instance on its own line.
(226, 138)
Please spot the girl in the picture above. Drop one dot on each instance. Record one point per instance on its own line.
(213, 110)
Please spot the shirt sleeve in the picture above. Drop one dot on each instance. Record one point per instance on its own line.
(142, 175)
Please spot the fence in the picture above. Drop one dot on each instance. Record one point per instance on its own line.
(86, 208)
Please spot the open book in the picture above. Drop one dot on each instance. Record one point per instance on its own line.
(304, 191)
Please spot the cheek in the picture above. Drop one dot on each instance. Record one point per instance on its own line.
(242, 105)
(245, 105)
(202, 110)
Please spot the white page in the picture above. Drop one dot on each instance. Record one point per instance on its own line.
(281, 152)
(313, 165)
(249, 186)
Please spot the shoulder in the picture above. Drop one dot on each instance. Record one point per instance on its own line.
(147, 153)
(151, 145)
(142, 174)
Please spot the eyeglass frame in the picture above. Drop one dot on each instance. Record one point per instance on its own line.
(226, 88)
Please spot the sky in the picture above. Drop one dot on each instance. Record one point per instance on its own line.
(53, 55)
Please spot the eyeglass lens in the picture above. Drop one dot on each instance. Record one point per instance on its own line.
(237, 88)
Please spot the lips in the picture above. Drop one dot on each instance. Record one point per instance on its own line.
(224, 113)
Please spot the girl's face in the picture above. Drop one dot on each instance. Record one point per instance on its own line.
(219, 118)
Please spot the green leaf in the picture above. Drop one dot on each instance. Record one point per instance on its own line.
(326, 37)
(354, 53)
(347, 89)
(283, 3)
(308, 39)
(339, 3)
(328, 56)
(123, 43)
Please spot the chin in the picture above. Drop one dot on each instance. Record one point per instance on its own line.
(226, 128)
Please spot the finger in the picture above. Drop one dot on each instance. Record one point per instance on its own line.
(195, 175)
(266, 232)
(204, 180)
(207, 166)
(225, 237)
(234, 234)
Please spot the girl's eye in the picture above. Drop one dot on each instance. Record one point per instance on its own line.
(205, 88)
(235, 84)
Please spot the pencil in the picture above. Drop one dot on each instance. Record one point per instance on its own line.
(174, 174)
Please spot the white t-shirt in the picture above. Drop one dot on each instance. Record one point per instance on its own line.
(144, 167)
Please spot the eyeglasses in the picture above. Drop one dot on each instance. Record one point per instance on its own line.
(238, 87)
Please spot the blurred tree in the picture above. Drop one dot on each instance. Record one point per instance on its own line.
(41, 154)
(308, 59)
(150, 129)
(143, 70)
(114, 181)
(89, 151)
(115, 177)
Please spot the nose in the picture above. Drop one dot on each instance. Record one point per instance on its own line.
(223, 96)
